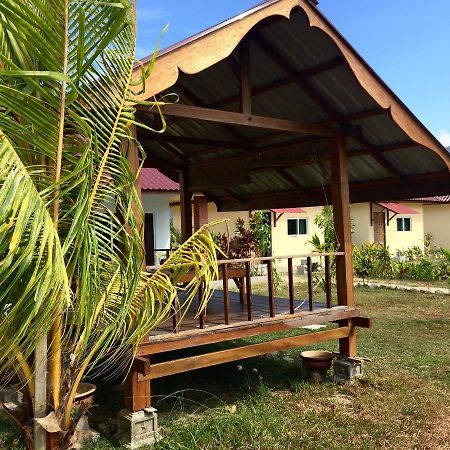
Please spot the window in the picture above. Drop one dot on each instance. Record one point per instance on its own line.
(404, 224)
(297, 227)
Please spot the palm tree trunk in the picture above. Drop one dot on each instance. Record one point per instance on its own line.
(40, 394)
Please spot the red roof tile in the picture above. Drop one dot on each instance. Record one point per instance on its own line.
(436, 199)
(154, 180)
(289, 211)
(397, 208)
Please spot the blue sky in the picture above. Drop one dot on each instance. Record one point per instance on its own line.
(406, 41)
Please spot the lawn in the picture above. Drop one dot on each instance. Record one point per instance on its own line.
(266, 403)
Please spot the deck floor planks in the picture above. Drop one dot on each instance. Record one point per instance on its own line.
(238, 312)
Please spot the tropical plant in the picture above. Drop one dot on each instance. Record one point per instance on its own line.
(73, 297)
(371, 260)
(261, 226)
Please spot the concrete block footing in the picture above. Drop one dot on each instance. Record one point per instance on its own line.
(347, 369)
(138, 429)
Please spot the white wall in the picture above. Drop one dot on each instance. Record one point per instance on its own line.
(158, 205)
(437, 222)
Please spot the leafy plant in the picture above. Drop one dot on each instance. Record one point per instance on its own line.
(175, 236)
(73, 297)
(261, 226)
(371, 260)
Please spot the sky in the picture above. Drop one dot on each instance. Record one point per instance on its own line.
(407, 42)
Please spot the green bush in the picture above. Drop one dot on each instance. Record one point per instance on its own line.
(374, 261)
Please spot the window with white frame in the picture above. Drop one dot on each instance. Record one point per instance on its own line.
(404, 224)
(297, 227)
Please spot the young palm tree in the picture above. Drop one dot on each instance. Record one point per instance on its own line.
(73, 296)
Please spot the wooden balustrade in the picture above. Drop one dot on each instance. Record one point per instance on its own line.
(240, 271)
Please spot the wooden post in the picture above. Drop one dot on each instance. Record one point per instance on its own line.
(342, 225)
(185, 206)
(200, 212)
(138, 393)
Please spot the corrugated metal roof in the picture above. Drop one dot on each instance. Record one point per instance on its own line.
(385, 164)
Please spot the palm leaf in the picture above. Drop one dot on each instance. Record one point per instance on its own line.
(33, 282)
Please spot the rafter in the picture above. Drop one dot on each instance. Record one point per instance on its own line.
(333, 64)
(321, 101)
(245, 120)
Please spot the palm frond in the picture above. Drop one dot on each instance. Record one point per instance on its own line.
(33, 282)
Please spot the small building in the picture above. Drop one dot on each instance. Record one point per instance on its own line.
(395, 225)
(436, 218)
(276, 110)
(157, 189)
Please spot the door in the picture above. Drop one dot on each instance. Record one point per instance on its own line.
(149, 239)
(379, 228)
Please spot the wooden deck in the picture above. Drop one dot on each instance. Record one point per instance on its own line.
(238, 311)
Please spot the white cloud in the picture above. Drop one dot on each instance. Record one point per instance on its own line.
(148, 14)
(444, 137)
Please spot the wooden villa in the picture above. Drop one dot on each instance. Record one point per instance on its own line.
(275, 109)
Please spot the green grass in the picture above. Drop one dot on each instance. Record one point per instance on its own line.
(402, 403)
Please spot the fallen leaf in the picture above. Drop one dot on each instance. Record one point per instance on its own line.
(49, 423)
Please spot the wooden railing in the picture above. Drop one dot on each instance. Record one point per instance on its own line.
(240, 270)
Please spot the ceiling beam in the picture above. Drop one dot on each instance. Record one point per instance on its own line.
(245, 83)
(190, 140)
(359, 115)
(387, 189)
(232, 118)
(333, 64)
(321, 101)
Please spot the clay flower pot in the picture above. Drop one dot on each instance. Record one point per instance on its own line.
(85, 394)
(317, 360)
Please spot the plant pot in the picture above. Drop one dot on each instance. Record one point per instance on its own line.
(317, 360)
(85, 394)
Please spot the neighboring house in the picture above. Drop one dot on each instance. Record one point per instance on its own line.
(157, 189)
(436, 215)
(397, 226)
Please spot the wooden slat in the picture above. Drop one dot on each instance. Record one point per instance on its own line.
(248, 283)
(226, 294)
(291, 285)
(310, 284)
(268, 258)
(246, 120)
(270, 288)
(328, 281)
(222, 333)
(202, 313)
(235, 354)
(174, 319)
